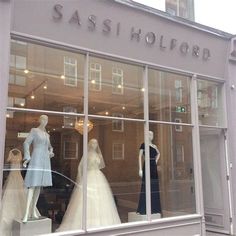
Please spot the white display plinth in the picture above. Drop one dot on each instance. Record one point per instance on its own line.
(32, 227)
(134, 216)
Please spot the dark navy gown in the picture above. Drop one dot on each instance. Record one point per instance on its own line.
(155, 192)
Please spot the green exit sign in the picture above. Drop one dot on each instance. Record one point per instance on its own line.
(180, 109)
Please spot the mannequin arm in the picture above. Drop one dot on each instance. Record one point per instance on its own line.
(158, 157)
(140, 162)
(50, 149)
(27, 144)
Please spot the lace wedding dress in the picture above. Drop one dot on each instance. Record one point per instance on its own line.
(14, 195)
(101, 207)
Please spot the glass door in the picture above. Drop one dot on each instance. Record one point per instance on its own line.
(214, 175)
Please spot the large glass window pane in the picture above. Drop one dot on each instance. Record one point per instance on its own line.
(210, 104)
(57, 177)
(115, 88)
(113, 180)
(47, 78)
(175, 169)
(169, 97)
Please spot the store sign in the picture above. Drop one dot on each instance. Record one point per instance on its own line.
(22, 134)
(108, 26)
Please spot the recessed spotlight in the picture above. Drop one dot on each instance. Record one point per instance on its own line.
(93, 81)
(123, 108)
(119, 86)
(26, 71)
(7, 115)
(106, 113)
(63, 77)
(22, 104)
(142, 89)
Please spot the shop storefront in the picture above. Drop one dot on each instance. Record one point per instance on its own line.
(94, 88)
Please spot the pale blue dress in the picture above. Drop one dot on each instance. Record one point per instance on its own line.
(39, 168)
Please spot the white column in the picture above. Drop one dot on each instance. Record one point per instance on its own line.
(197, 155)
(5, 23)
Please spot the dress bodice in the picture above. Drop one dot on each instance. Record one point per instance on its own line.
(153, 151)
(93, 161)
(15, 158)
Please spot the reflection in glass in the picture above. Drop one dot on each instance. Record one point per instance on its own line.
(154, 156)
(46, 78)
(212, 151)
(67, 146)
(120, 153)
(169, 97)
(210, 107)
(175, 169)
(115, 89)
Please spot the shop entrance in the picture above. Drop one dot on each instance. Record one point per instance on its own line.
(215, 180)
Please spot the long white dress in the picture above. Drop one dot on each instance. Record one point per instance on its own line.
(101, 207)
(14, 196)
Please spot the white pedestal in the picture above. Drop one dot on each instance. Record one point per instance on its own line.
(134, 216)
(32, 227)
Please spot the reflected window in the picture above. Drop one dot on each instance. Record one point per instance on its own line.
(118, 125)
(209, 97)
(70, 71)
(117, 81)
(118, 150)
(182, 8)
(95, 77)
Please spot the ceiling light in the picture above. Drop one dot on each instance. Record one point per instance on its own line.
(107, 113)
(93, 81)
(142, 89)
(119, 86)
(7, 115)
(45, 86)
(123, 108)
(63, 77)
(26, 71)
(22, 104)
(32, 95)
(79, 125)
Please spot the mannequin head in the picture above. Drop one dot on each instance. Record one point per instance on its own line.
(93, 144)
(150, 136)
(43, 120)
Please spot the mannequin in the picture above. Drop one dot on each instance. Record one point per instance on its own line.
(101, 207)
(39, 167)
(155, 192)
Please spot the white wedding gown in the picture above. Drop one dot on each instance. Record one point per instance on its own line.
(14, 196)
(101, 207)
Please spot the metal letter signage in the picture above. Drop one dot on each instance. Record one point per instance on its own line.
(165, 43)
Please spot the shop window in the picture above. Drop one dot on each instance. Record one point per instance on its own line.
(120, 94)
(18, 64)
(70, 71)
(118, 125)
(117, 81)
(169, 96)
(118, 150)
(209, 97)
(95, 77)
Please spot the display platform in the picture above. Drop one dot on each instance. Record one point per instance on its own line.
(134, 216)
(32, 227)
